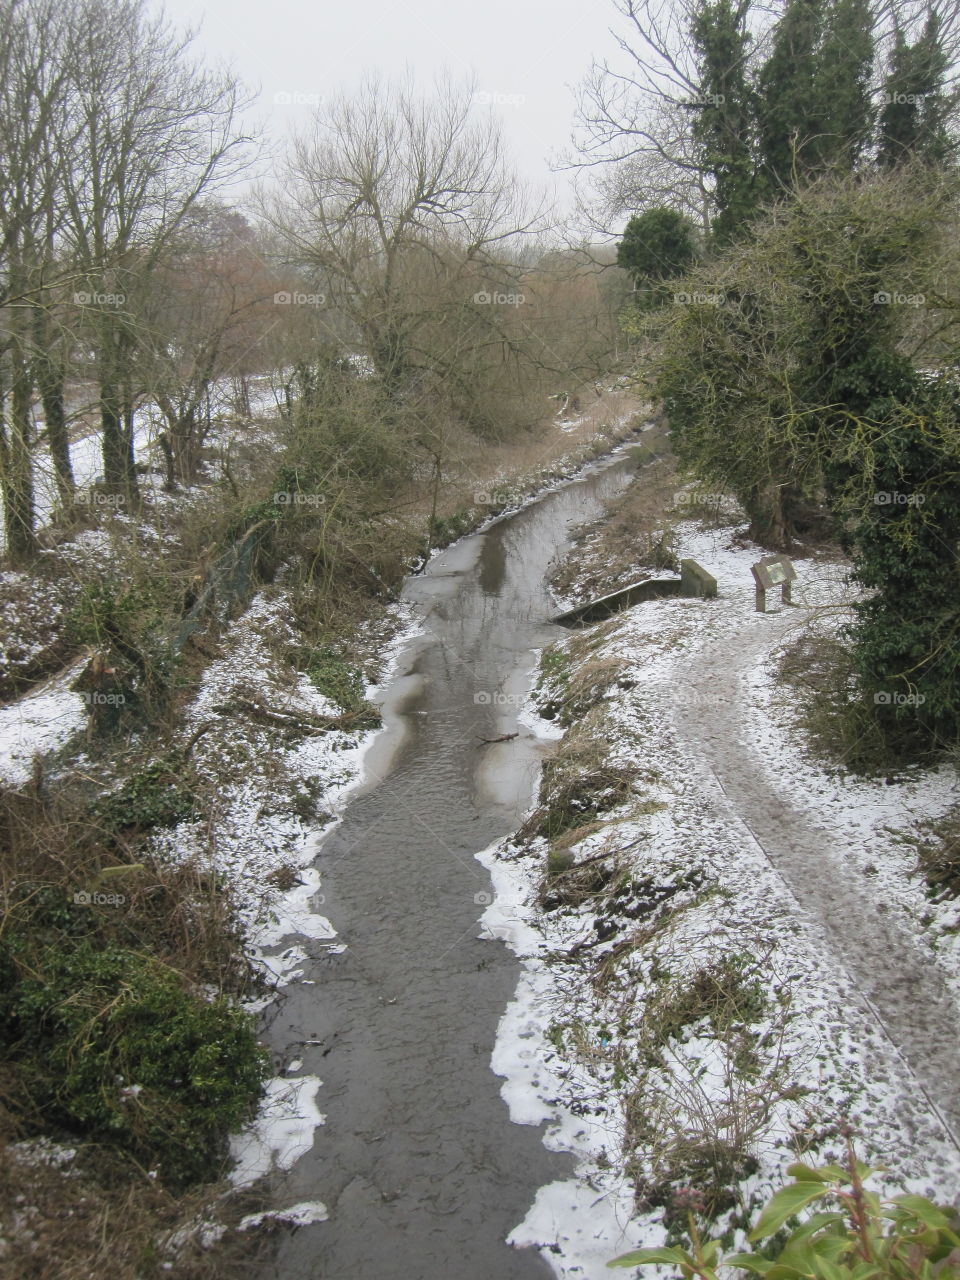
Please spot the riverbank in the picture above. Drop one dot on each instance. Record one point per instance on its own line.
(257, 749)
(729, 949)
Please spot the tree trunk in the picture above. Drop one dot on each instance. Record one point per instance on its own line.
(50, 379)
(17, 479)
(115, 417)
(50, 376)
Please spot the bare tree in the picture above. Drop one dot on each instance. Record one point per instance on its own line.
(385, 188)
(156, 133)
(34, 54)
(210, 304)
(633, 144)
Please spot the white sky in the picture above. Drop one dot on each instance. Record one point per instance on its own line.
(527, 55)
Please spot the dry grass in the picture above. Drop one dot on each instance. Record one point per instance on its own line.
(97, 1216)
(939, 855)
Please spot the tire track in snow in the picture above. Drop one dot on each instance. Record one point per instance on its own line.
(899, 986)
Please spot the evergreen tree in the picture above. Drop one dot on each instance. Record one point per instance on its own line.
(814, 109)
(916, 106)
(656, 246)
(841, 89)
(723, 121)
(788, 115)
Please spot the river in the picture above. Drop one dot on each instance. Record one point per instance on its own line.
(419, 1165)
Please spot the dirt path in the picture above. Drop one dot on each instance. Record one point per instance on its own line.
(899, 985)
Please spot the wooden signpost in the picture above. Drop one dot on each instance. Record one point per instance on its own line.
(770, 572)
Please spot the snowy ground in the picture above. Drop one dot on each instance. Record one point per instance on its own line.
(86, 455)
(728, 799)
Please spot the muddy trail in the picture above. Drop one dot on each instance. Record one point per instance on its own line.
(418, 1164)
(874, 941)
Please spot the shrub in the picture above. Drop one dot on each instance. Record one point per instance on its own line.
(113, 1046)
(337, 680)
(853, 1233)
(153, 797)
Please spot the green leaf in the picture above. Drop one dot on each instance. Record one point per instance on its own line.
(799, 1257)
(788, 1201)
(710, 1251)
(923, 1209)
(749, 1262)
(643, 1257)
(865, 1271)
(830, 1271)
(833, 1247)
(824, 1173)
(818, 1222)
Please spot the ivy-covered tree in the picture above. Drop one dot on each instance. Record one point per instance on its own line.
(914, 117)
(723, 113)
(785, 84)
(796, 390)
(842, 84)
(814, 110)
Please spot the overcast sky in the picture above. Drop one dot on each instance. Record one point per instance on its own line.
(527, 56)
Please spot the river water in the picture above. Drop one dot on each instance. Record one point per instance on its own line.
(419, 1165)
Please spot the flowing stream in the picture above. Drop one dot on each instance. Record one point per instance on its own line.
(418, 1163)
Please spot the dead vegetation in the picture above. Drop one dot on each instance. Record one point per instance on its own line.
(77, 1213)
(633, 538)
(939, 855)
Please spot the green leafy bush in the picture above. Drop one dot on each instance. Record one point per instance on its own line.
(130, 625)
(852, 1235)
(153, 797)
(113, 1046)
(337, 680)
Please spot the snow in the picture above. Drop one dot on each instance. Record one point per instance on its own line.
(255, 836)
(302, 1214)
(282, 1132)
(39, 723)
(840, 1058)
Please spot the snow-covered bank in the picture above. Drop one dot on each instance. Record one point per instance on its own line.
(610, 1033)
(274, 798)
